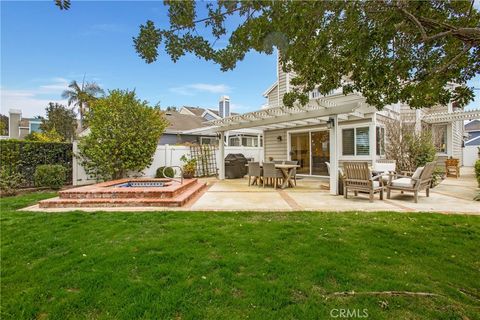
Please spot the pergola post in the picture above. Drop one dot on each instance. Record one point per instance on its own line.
(221, 175)
(334, 134)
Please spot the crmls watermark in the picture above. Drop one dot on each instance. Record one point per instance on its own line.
(349, 313)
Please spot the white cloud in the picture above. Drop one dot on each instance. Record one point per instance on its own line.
(193, 89)
(33, 101)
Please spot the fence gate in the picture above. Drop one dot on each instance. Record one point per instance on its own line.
(206, 159)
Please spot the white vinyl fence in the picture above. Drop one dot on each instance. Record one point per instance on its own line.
(165, 155)
(470, 155)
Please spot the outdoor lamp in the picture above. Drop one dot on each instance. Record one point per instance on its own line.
(330, 123)
(279, 138)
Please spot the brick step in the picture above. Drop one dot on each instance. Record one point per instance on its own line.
(88, 192)
(176, 201)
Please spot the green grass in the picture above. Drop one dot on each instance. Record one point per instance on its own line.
(192, 265)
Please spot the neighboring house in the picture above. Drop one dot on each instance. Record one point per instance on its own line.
(337, 128)
(189, 125)
(18, 127)
(472, 131)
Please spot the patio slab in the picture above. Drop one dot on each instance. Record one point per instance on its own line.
(452, 196)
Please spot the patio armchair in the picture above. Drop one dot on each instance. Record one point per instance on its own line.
(271, 173)
(357, 177)
(254, 171)
(294, 170)
(420, 180)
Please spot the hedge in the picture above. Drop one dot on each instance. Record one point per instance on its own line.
(24, 157)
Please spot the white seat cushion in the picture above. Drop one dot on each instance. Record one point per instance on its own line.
(417, 173)
(402, 182)
(384, 167)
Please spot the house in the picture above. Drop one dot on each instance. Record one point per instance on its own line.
(472, 131)
(19, 127)
(335, 128)
(188, 125)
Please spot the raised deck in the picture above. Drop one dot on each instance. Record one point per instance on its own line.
(108, 194)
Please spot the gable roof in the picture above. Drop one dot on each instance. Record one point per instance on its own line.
(181, 122)
(270, 89)
(473, 126)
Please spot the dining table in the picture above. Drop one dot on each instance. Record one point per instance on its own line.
(287, 173)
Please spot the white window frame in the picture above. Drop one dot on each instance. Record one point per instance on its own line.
(384, 140)
(447, 135)
(355, 156)
(33, 122)
(215, 140)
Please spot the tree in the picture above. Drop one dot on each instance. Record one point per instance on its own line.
(123, 137)
(82, 96)
(3, 125)
(61, 119)
(390, 51)
(45, 136)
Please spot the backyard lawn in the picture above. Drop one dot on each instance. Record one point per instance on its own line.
(214, 265)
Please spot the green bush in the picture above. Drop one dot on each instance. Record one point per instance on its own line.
(23, 157)
(10, 181)
(165, 173)
(477, 171)
(52, 176)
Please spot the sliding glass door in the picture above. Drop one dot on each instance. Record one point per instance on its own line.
(300, 151)
(311, 149)
(320, 152)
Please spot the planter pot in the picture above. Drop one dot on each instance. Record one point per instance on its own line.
(188, 175)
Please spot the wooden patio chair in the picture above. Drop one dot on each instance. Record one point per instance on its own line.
(255, 171)
(420, 180)
(270, 173)
(357, 177)
(452, 167)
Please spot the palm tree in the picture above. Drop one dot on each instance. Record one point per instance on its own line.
(81, 96)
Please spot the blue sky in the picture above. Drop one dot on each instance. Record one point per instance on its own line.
(43, 49)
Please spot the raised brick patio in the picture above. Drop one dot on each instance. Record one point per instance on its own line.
(107, 194)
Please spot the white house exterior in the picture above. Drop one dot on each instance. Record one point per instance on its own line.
(337, 128)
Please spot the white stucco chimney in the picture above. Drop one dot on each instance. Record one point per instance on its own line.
(14, 117)
(224, 107)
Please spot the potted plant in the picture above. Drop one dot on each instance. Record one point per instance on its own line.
(189, 166)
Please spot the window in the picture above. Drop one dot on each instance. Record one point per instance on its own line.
(380, 137)
(356, 142)
(208, 140)
(234, 142)
(35, 126)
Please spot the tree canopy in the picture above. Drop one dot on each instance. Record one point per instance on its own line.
(60, 119)
(81, 96)
(390, 51)
(123, 137)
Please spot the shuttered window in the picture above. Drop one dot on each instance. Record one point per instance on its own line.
(356, 142)
(362, 141)
(348, 138)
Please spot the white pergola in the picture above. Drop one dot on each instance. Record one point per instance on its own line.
(319, 110)
(452, 116)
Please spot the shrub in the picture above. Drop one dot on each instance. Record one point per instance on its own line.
(437, 176)
(23, 157)
(477, 171)
(189, 166)
(52, 176)
(10, 181)
(165, 173)
(123, 137)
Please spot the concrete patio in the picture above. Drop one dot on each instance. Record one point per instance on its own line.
(453, 196)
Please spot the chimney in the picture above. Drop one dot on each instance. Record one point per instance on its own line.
(14, 118)
(224, 107)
